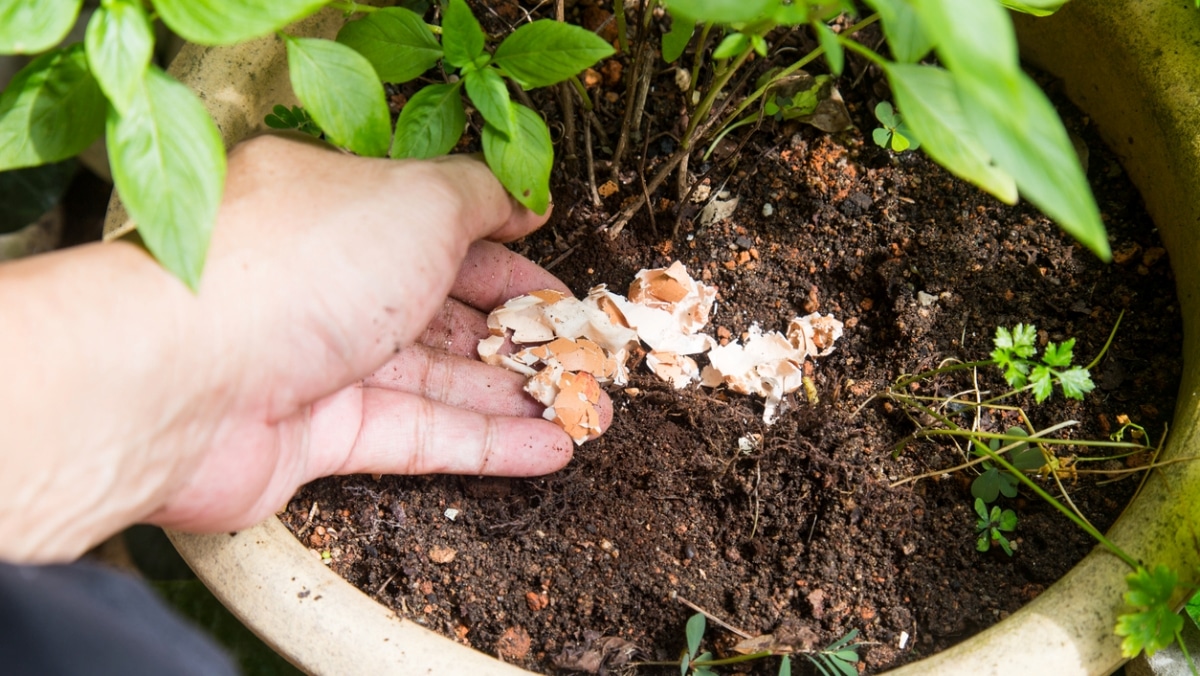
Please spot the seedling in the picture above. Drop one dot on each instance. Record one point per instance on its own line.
(893, 134)
(1150, 623)
(295, 118)
(992, 526)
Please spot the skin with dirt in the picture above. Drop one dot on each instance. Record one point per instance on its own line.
(796, 532)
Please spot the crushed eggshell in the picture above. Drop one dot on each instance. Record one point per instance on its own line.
(576, 345)
(770, 365)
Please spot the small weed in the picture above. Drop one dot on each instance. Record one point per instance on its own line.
(295, 118)
(993, 482)
(839, 658)
(1014, 355)
(893, 134)
(992, 526)
(1152, 623)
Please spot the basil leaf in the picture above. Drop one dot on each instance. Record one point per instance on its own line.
(833, 48)
(395, 40)
(722, 11)
(32, 26)
(430, 124)
(168, 164)
(676, 40)
(544, 52)
(1027, 139)
(732, 45)
(462, 37)
(522, 162)
(51, 110)
(489, 93)
(928, 99)
(223, 22)
(973, 36)
(340, 90)
(905, 37)
(119, 43)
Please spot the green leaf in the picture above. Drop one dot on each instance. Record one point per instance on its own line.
(1026, 137)
(1004, 544)
(833, 49)
(1043, 383)
(462, 36)
(1007, 521)
(987, 486)
(929, 98)
(32, 26)
(981, 510)
(909, 137)
(1059, 355)
(984, 542)
(973, 36)
(430, 124)
(881, 136)
(51, 110)
(1152, 625)
(342, 93)
(1193, 608)
(1038, 8)
(119, 44)
(1075, 382)
(899, 142)
(395, 40)
(168, 164)
(759, 44)
(676, 40)
(489, 93)
(694, 632)
(791, 14)
(224, 22)
(544, 52)
(785, 666)
(721, 11)
(885, 114)
(902, 27)
(732, 45)
(522, 162)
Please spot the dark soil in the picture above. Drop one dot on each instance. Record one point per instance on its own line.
(803, 534)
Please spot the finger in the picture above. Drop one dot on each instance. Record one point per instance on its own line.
(403, 433)
(456, 329)
(491, 274)
(489, 212)
(456, 381)
(464, 383)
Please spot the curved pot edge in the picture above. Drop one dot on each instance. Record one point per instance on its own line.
(1065, 645)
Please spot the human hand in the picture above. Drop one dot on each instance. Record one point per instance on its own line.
(333, 333)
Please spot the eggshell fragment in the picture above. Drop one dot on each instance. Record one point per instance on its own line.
(575, 408)
(677, 369)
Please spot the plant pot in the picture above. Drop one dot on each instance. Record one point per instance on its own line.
(1147, 107)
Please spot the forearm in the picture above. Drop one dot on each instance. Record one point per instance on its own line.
(93, 342)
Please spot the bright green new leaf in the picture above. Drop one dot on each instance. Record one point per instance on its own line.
(1059, 355)
(168, 164)
(1042, 381)
(676, 40)
(1152, 624)
(1027, 139)
(1076, 382)
(1193, 608)
(544, 52)
(430, 124)
(340, 90)
(119, 44)
(51, 110)
(759, 43)
(902, 27)
(1036, 8)
(833, 49)
(224, 22)
(32, 26)
(732, 45)
(522, 162)
(489, 93)
(462, 36)
(929, 98)
(694, 631)
(791, 14)
(395, 40)
(722, 11)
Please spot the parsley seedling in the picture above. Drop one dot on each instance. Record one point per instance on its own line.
(1014, 354)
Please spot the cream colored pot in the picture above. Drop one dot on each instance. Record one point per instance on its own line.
(1133, 65)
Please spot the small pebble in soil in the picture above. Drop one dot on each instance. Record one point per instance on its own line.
(768, 210)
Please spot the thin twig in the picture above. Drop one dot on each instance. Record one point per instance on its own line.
(712, 618)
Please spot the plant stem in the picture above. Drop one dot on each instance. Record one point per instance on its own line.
(1087, 527)
(619, 14)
